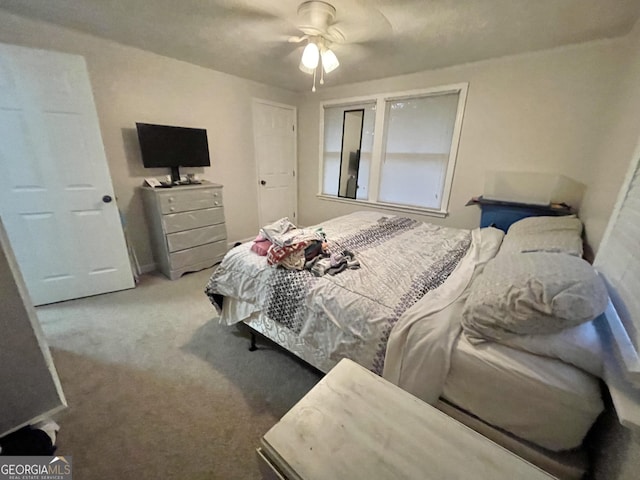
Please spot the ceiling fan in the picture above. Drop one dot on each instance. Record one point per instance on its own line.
(363, 25)
(316, 20)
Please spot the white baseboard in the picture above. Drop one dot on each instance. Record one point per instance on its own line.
(150, 267)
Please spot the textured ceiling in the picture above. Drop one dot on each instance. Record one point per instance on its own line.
(383, 37)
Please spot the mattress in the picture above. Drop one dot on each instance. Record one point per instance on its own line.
(537, 398)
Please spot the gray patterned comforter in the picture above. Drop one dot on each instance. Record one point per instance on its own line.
(350, 314)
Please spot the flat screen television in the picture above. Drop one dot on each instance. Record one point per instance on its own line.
(165, 146)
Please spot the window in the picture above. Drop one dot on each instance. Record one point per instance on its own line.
(334, 130)
(410, 166)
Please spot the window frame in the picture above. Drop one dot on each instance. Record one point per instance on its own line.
(379, 141)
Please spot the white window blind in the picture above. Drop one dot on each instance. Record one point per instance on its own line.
(418, 143)
(618, 260)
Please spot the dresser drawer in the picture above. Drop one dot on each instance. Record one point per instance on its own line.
(191, 256)
(197, 236)
(178, 222)
(190, 200)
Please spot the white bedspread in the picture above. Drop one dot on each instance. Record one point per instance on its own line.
(419, 347)
(352, 313)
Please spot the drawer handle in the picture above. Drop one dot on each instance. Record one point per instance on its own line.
(216, 203)
(172, 209)
(215, 194)
(170, 199)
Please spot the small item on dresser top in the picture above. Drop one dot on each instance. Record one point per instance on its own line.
(152, 182)
(193, 179)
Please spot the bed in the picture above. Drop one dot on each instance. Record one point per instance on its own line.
(403, 314)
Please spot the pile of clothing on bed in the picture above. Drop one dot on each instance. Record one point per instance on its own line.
(294, 248)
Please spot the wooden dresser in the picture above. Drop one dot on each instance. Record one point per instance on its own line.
(186, 226)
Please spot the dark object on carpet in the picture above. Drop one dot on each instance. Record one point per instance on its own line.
(27, 441)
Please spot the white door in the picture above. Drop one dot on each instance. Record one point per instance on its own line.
(56, 197)
(274, 130)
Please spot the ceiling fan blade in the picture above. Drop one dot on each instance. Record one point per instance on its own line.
(256, 21)
(299, 39)
(352, 30)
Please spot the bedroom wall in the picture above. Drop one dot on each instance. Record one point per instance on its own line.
(618, 144)
(132, 85)
(535, 112)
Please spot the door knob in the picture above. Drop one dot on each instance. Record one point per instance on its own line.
(262, 182)
(107, 199)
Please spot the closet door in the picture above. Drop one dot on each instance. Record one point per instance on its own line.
(29, 385)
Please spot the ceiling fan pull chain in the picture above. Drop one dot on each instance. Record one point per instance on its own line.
(321, 68)
(314, 80)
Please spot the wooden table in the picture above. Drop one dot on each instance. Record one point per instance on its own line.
(354, 424)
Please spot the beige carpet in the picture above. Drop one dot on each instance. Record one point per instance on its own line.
(158, 389)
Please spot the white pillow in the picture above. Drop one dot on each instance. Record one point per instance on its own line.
(546, 224)
(532, 294)
(545, 234)
(558, 241)
(579, 346)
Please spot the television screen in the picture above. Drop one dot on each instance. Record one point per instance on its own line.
(167, 146)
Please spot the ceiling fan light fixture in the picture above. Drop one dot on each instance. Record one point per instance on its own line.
(306, 69)
(329, 60)
(316, 21)
(310, 57)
